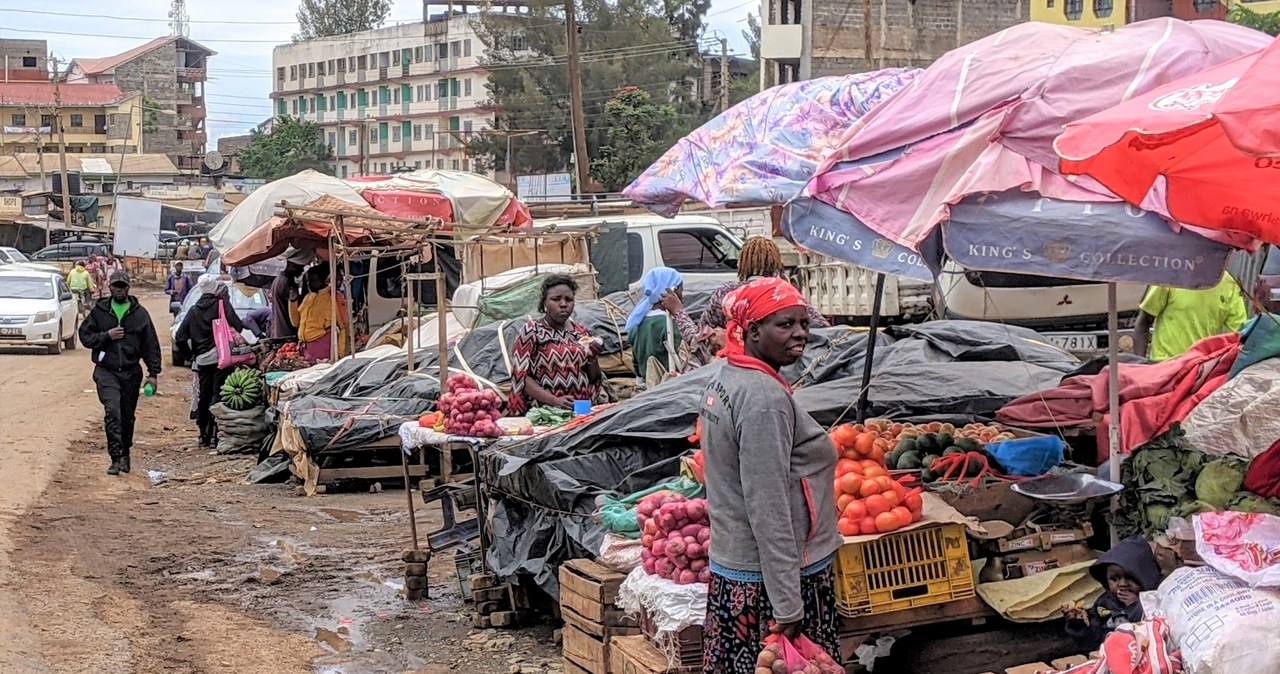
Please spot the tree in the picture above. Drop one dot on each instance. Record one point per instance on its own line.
(636, 135)
(742, 88)
(293, 146)
(323, 18)
(621, 42)
(150, 115)
(1268, 23)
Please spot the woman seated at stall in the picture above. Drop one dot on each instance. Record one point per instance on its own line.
(314, 317)
(655, 341)
(554, 361)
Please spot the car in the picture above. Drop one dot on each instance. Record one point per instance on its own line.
(70, 251)
(37, 309)
(1266, 289)
(242, 303)
(13, 258)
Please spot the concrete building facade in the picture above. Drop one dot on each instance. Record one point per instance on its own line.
(24, 60)
(405, 96)
(171, 72)
(95, 118)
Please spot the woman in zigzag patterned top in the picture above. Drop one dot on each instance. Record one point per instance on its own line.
(554, 361)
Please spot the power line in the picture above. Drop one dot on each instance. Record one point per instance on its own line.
(142, 19)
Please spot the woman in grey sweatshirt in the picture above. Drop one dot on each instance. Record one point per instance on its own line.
(770, 473)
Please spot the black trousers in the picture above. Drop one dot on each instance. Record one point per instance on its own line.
(211, 380)
(118, 392)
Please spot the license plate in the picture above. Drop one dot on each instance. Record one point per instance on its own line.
(1074, 343)
(10, 332)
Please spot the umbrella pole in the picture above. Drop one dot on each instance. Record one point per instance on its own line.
(867, 361)
(1113, 397)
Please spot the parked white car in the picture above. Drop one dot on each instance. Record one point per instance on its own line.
(15, 257)
(37, 309)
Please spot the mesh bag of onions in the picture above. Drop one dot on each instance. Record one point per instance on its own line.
(469, 411)
(799, 656)
(676, 534)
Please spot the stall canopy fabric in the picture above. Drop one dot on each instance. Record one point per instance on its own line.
(1196, 150)
(983, 117)
(764, 149)
(303, 230)
(261, 206)
(459, 198)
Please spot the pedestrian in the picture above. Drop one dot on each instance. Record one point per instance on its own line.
(770, 473)
(1183, 317)
(177, 287)
(183, 249)
(119, 333)
(655, 340)
(284, 292)
(195, 343)
(314, 317)
(97, 269)
(81, 283)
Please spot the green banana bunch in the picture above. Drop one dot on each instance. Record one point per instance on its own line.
(242, 389)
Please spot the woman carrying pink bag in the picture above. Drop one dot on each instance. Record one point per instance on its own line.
(198, 342)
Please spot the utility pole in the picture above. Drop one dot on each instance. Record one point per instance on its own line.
(581, 161)
(62, 149)
(724, 74)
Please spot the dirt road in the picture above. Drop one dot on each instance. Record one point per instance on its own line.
(181, 567)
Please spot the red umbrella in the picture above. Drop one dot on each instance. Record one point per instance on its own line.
(1203, 150)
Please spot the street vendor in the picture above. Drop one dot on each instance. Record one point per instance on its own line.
(1124, 571)
(314, 317)
(653, 337)
(284, 293)
(770, 472)
(554, 361)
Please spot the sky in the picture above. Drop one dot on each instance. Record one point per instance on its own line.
(243, 33)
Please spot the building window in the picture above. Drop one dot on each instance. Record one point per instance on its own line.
(294, 106)
(344, 170)
(1073, 9)
(320, 68)
(466, 126)
(342, 65)
(395, 57)
(351, 137)
(363, 62)
(395, 95)
(466, 47)
(280, 73)
(417, 132)
(47, 120)
(1103, 8)
(384, 167)
(466, 89)
(333, 139)
(429, 131)
(280, 107)
(77, 121)
(19, 120)
(395, 134)
(426, 92)
(456, 164)
(28, 61)
(1206, 6)
(440, 164)
(455, 49)
(442, 51)
(351, 64)
(417, 164)
(293, 73)
(311, 70)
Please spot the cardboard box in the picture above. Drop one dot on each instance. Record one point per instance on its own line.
(1032, 562)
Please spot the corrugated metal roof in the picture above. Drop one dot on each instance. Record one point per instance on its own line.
(73, 95)
(134, 164)
(105, 64)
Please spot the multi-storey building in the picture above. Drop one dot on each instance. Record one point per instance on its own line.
(24, 60)
(95, 118)
(395, 97)
(170, 72)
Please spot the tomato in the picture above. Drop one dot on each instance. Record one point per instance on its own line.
(886, 522)
(847, 527)
(844, 500)
(876, 504)
(869, 488)
(856, 510)
(867, 526)
(904, 516)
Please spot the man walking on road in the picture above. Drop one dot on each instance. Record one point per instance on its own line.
(1183, 317)
(119, 333)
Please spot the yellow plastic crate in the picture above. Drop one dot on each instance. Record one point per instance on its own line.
(904, 570)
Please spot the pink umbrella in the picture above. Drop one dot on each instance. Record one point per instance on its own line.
(1014, 89)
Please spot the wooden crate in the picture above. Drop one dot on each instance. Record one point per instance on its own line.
(590, 590)
(571, 667)
(635, 655)
(595, 629)
(585, 650)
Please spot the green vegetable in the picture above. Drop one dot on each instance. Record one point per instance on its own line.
(945, 439)
(549, 416)
(1246, 502)
(1218, 483)
(909, 461)
(969, 444)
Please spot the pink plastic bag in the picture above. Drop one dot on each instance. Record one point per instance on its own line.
(801, 656)
(231, 347)
(1244, 545)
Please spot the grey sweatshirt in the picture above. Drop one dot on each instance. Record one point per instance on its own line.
(770, 472)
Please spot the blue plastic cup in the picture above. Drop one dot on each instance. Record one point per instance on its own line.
(581, 408)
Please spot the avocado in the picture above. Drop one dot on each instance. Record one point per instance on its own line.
(975, 466)
(909, 461)
(928, 443)
(905, 444)
(945, 439)
(952, 450)
(968, 444)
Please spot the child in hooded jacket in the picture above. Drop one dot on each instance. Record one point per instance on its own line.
(1124, 571)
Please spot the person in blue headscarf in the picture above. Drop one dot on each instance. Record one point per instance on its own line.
(654, 339)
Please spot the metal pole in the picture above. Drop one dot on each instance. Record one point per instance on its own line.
(869, 359)
(442, 328)
(1113, 397)
(333, 305)
(62, 154)
(582, 162)
(724, 74)
(409, 315)
(346, 286)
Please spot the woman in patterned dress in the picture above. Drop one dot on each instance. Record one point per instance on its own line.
(554, 361)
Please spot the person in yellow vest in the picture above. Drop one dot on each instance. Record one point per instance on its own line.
(81, 283)
(1170, 320)
(314, 317)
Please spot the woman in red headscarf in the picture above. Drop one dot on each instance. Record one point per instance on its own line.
(770, 474)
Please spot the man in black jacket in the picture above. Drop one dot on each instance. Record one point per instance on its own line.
(119, 333)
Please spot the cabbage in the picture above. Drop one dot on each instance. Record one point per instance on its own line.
(1246, 502)
(1218, 483)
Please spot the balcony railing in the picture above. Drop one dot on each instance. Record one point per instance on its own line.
(446, 103)
(191, 74)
